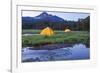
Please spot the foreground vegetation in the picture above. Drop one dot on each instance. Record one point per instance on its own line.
(58, 37)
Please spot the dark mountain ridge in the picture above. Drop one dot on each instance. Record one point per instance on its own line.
(47, 20)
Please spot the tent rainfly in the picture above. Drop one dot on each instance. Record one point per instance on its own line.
(67, 30)
(47, 31)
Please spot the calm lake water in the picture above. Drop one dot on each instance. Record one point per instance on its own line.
(76, 52)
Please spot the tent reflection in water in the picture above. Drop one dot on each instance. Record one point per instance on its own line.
(67, 30)
(47, 31)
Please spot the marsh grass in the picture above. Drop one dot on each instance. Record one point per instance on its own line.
(58, 37)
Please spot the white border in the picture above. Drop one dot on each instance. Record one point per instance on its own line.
(17, 66)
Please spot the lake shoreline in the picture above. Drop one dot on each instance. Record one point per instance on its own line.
(53, 46)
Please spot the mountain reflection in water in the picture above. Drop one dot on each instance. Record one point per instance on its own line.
(77, 52)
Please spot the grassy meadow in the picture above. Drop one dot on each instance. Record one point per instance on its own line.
(58, 37)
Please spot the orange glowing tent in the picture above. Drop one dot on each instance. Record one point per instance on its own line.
(67, 30)
(47, 31)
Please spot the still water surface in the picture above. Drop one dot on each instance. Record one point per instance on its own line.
(76, 52)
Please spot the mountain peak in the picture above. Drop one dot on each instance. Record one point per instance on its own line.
(44, 14)
(49, 17)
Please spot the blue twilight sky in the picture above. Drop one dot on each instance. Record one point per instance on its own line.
(72, 16)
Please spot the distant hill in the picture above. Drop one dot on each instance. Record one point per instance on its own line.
(48, 17)
(47, 20)
(43, 20)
